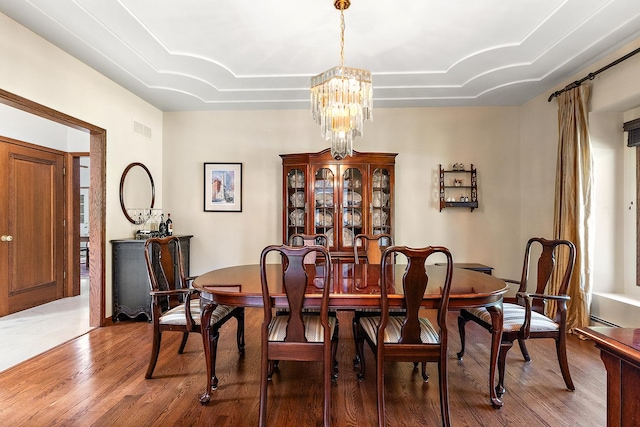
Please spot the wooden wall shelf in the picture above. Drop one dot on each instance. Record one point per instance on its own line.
(451, 195)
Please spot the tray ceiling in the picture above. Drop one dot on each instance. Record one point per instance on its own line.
(251, 54)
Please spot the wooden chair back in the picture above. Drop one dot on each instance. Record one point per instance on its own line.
(557, 258)
(372, 245)
(300, 239)
(167, 273)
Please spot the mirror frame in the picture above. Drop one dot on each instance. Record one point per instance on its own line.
(124, 175)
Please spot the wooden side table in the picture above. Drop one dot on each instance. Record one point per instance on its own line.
(620, 352)
(472, 266)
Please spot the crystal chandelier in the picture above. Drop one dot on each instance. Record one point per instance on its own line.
(341, 100)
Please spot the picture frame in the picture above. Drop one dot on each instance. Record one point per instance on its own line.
(223, 187)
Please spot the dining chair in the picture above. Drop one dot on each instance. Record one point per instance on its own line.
(527, 318)
(409, 338)
(297, 336)
(371, 247)
(175, 306)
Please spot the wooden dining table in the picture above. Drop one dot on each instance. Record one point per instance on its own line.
(353, 286)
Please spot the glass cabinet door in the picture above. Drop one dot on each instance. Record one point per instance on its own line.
(296, 203)
(380, 204)
(352, 219)
(324, 204)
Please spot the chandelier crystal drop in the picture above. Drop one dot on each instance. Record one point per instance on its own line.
(341, 100)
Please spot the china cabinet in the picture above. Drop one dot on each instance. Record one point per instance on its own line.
(131, 288)
(339, 198)
(458, 187)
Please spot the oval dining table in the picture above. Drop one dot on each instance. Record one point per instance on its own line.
(354, 286)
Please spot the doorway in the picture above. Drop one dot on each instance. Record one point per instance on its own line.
(97, 194)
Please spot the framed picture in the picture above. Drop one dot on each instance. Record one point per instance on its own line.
(223, 187)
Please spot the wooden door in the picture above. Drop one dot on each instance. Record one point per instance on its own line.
(31, 226)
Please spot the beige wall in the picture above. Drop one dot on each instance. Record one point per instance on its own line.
(34, 69)
(486, 137)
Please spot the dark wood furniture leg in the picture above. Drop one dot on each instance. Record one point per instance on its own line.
(496, 337)
(206, 309)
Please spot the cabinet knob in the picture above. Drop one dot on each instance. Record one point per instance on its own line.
(6, 238)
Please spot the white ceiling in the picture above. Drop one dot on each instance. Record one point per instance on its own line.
(259, 54)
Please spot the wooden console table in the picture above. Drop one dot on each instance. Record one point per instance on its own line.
(620, 352)
(472, 266)
(131, 298)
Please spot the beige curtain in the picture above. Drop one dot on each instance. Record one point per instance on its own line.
(572, 210)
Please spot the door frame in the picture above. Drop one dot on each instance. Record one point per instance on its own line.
(97, 196)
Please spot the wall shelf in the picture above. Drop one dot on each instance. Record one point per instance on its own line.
(464, 195)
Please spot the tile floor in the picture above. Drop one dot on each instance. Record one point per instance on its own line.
(41, 328)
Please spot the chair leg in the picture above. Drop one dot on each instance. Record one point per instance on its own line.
(425, 376)
(328, 378)
(360, 350)
(185, 335)
(561, 349)
(523, 350)
(265, 369)
(461, 327)
(155, 349)
(334, 353)
(354, 325)
(272, 364)
(444, 390)
(240, 333)
(380, 390)
(502, 360)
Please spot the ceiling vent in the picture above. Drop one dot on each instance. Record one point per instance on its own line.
(142, 130)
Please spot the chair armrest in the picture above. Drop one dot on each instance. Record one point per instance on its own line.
(527, 297)
(545, 296)
(173, 292)
(561, 298)
(517, 282)
(187, 292)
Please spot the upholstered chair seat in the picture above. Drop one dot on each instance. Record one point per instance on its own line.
(313, 329)
(514, 316)
(176, 316)
(393, 331)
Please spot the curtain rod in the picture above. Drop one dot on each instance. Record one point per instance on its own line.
(591, 76)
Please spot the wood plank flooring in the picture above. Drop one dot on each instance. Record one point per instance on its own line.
(98, 380)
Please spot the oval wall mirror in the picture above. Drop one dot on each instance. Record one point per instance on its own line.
(137, 190)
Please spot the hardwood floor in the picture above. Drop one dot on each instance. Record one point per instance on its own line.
(98, 379)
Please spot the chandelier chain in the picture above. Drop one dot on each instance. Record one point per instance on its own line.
(342, 27)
